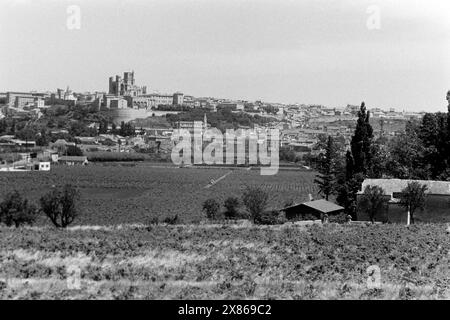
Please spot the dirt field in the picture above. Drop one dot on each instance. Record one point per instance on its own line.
(227, 262)
(115, 194)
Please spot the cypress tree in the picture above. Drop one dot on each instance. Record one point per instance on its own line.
(361, 142)
(326, 179)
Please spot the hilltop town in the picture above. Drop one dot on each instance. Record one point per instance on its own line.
(128, 119)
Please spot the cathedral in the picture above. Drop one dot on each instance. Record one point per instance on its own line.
(125, 86)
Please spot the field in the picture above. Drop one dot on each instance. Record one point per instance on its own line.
(227, 262)
(119, 193)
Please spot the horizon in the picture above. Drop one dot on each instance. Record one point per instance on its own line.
(303, 52)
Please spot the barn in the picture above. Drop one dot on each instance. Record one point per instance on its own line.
(73, 160)
(437, 203)
(312, 210)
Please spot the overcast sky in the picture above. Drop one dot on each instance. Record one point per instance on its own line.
(279, 51)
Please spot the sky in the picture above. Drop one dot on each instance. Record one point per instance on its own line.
(388, 53)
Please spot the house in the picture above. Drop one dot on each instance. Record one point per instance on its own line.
(113, 137)
(59, 131)
(43, 166)
(437, 203)
(61, 143)
(87, 140)
(50, 154)
(73, 160)
(312, 210)
(24, 143)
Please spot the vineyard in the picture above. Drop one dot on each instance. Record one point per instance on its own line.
(331, 261)
(136, 193)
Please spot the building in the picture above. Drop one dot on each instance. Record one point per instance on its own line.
(163, 99)
(437, 204)
(73, 160)
(191, 126)
(149, 100)
(125, 86)
(64, 97)
(178, 98)
(42, 166)
(231, 105)
(312, 210)
(118, 103)
(21, 99)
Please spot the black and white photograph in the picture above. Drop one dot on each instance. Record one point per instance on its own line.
(247, 151)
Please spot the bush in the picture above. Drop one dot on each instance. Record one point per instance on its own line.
(105, 156)
(338, 218)
(171, 220)
(74, 151)
(269, 218)
(372, 201)
(211, 207)
(231, 205)
(60, 205)
(15, 210)
(255, 200)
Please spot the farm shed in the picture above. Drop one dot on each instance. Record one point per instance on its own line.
(312, 210)
(437, 203)
(73, 160)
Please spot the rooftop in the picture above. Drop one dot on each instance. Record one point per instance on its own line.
(397, 185)
(320, 205)
(72, 158)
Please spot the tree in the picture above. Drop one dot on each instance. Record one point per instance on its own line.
(211, 207)
(287, 155)
(433, 133)
(74, 151)
(42, 138)
(126, 129)
(255, 200)
(348, 184)
(15, 210)
(406, 156)
(103, 126)
(27, 133)
(326, 179)
(60, 206)
(361, 142)
(231, 205)
(270, 217)
(372, 201)
(413, 197)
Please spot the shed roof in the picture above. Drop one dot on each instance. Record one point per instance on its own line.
(72, 158)
(321, 205)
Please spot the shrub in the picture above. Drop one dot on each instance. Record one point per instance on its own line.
(255, 200)
(413, 197)
(269, 218)
(60, 205)
(338, 218)
(74, 151)
(372, 201)
(171, 220)
(211, 207)
(154, 220)
(15, 210)
(105, 156)
(231, 204)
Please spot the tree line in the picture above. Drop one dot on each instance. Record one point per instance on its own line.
(421, 152)
(60, 206)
